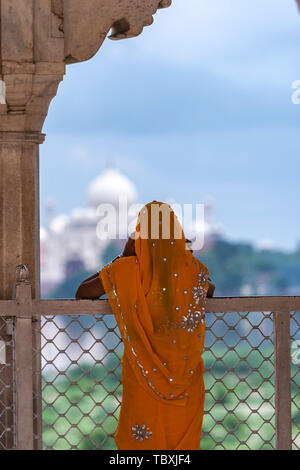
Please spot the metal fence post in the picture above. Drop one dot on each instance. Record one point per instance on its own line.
(282, 380)
(24, 369)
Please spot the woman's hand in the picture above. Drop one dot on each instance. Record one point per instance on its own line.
(90, 288)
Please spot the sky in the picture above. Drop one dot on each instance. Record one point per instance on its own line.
(199, 105)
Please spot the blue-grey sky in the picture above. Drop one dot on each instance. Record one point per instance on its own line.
(199, 104)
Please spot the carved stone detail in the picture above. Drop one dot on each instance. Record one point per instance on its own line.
(22, 274)
(88, 23)
(39, 37)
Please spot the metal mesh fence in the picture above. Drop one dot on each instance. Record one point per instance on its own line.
(295, 377)
(239, 382)
(7, 384)
(81, 381)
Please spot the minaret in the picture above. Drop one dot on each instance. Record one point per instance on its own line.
(208, 211)
(49, 212)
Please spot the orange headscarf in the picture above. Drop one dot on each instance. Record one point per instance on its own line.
(158, 299)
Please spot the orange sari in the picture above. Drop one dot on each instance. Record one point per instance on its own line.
(158, 299)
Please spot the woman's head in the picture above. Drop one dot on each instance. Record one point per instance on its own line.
(156, 221)
(129, 249)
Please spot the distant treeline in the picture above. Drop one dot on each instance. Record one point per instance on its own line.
(241, 269)
(236, 268)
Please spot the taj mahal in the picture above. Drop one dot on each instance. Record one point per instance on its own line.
(74, 241)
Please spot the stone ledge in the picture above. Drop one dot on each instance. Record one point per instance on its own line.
(26, 137)
(38, 68)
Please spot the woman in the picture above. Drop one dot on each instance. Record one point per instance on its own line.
(157, 292)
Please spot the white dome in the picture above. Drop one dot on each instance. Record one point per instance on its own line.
(109, 187)
(59, 223)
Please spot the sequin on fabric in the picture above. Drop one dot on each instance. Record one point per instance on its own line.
(192, 319)
(163, 286)
(134, 351)
(141, 432)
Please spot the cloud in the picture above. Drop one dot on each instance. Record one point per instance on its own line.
(252, 175)
(199, 104)
(78, 155)
(201, 65)
(198, 28)
(156, 100)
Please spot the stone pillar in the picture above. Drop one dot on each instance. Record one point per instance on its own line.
(19, 202)
(19, 243)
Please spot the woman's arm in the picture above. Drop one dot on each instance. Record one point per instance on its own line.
(211, 285)
(90, 288)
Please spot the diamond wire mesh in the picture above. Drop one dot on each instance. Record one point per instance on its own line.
(81, 381)
(295, 378)
(7, 384)
(239, 382)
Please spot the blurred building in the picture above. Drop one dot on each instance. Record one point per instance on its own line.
(70, 242)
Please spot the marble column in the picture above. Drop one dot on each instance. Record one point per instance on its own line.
(19, 244)
(19, 203)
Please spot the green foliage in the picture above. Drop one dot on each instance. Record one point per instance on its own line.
(232, 266)
(239, 408)
(267, 272)
(81, 407)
